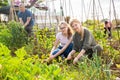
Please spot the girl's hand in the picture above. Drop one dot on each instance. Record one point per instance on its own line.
(69, 57)
(51, 57)
(75, 60)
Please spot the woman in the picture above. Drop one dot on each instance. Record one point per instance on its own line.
(83, 42)
(63, 41)
(107, 28)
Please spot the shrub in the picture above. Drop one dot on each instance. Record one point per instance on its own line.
(13, 36)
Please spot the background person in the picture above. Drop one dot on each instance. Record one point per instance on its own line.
(108, 26)
(25, 18)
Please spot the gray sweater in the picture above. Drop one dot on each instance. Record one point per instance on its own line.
(88, 41)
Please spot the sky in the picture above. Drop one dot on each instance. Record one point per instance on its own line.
(82, 9)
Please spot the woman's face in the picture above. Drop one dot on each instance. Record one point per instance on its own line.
(76, 27)
(63, 28)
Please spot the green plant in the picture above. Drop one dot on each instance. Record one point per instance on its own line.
(25, 66)
(43, 41)
(13, 36)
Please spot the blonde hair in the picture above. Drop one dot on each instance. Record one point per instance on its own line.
(74, 20)
(70, 31)
(77, 21)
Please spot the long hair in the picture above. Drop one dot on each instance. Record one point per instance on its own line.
(69, 32)
(77, 21)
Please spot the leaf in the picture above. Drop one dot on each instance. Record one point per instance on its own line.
(21, 53)
(118, 65)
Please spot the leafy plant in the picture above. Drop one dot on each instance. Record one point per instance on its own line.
(13, 36)
(43, 41)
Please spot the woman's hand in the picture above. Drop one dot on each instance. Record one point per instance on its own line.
(82, 52)
(51, 57)
(69, 57)
(75, 61)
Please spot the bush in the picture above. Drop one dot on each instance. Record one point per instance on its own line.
(13, 36)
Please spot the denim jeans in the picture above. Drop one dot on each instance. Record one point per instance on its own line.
(66, 52)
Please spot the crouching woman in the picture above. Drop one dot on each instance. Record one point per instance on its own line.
(63, 43)
(83, 42)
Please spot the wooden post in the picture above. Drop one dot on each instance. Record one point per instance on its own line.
(12, 15)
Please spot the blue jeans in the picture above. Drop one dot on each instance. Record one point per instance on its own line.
(66, 52)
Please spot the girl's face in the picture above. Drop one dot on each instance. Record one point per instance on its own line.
(76, 27)
(63, 28)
